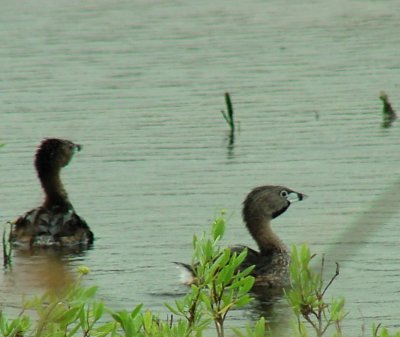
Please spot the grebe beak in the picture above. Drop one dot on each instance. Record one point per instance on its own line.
(296, 196)
(78, 147)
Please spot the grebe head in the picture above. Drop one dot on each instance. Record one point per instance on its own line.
(54, 153)
(268, 202)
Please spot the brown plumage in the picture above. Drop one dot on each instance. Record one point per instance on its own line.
(271, 262)
(55, 222)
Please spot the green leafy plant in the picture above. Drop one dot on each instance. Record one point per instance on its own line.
(220, 286)
(307, 296)
(15, 327)
(74, 311)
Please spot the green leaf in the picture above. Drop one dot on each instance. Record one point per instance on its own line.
(384, 332)
(216, 265)
(120, 316)
(180, 306)
(90, 292)
(98, 310)
(241, 302)
(137, 310)
(206, 300)
(69, 315)
(194, 241)
(172, 309)
(224, 258)
(83, 318)
(245, 272)
(105, 329)
(259, 330)
(240, 258)
(238, 332)
(248, 283)
(73, 331)
(147, 319)
(218, 228)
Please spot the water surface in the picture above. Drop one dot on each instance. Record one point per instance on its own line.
(140, 85)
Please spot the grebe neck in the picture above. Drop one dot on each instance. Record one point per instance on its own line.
(56, 195)
(265, 237)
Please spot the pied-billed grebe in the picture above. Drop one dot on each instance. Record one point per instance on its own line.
(261, 205)
(55, 223)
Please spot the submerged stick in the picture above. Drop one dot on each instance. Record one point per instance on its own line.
(229, 116)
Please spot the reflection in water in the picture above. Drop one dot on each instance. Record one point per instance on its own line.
(231, 144)
(273, 308)
(265, 299)
(388, 120)
(43, 268)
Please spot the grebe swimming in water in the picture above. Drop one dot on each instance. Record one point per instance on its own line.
(261, 205)
(55, 223)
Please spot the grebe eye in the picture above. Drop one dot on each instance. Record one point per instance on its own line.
(284, 194)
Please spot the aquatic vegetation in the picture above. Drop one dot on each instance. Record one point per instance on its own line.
(389, 114)
(229, 114)
(220, 286)
(307, 296)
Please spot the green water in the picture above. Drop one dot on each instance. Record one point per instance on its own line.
(140, 84)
